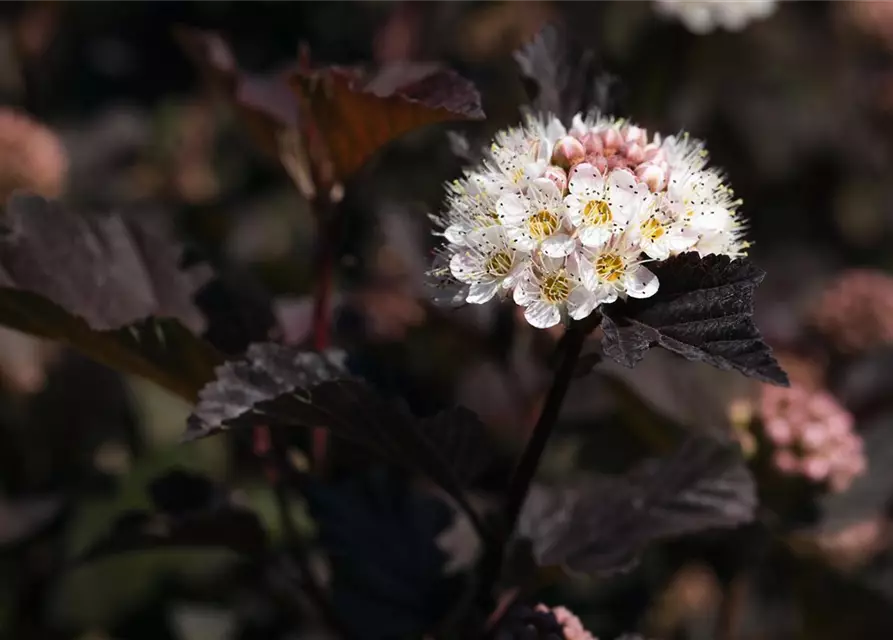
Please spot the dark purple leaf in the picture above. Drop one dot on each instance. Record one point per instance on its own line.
(279, 385)
(110, 270)
(109, 285)
(603, 523)
(703, 311)
(388, 574)
(566, 78)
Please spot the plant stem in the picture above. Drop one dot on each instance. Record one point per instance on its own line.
(326, 215)
(530, 459)
(569, 347)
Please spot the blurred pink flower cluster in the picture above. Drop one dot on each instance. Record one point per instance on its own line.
(34, 158)
(855, 312)
(812, 436)
(570, 624)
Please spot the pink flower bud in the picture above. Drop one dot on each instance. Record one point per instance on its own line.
(611, 139)
(652, 175)
(557, 175)
(567, 152)
(634, 153)
(617, 162)
(592, 142)
(635, 135)
(598, 161)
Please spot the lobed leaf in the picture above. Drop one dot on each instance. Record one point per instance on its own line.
(344, 114)
(603, 523)
(567, 78)
(279, 385)
(356, 113)
(109, 286)
(703, 311)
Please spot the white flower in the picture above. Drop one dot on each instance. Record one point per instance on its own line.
(521, 155)
(551, 287)
(683, 154)
(703, 16)
(568, 219)
(660, 235)
(488, 263)
(616, 270)
(537, 220)
(601, 207)
(471, 206)
(702, 202)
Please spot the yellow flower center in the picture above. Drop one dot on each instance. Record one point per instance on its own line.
(652, 229)
(609, 267)
(542, 224)
(597, 212)
(499, 264)
(517, 174)
(555, 288)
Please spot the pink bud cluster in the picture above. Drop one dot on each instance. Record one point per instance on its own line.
(855, 312)
(570, 624)
(812, 436)
(611, 147)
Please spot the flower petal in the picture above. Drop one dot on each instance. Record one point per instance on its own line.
(585, 179)
(542, 315)
(580, 303)
(559, 245)
(513, 209)
(466, 267)
(640, 282)
(519, 239)
(545, 189)
(482, 292)
(526, 291)
(456, 233)
(594, 236)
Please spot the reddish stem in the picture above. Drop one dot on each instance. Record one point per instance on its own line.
(322, 303)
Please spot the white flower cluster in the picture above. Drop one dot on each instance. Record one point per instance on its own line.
(566, 220)
(703, 16)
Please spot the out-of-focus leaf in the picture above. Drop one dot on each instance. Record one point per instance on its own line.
(24, 518)
(278, 385)
(356, 113)
(388, 574)
(567, 78)
(692, 394)
(350, 112)
(703, 311)
(191, 511)
(109, 286)
(238, 312)
(603, 523)
(266, 105)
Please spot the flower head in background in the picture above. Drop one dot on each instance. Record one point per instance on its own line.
(34, 159)
(570, 624)
(704, 16)
(812, 436)
(564, 220)
(855, 312)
